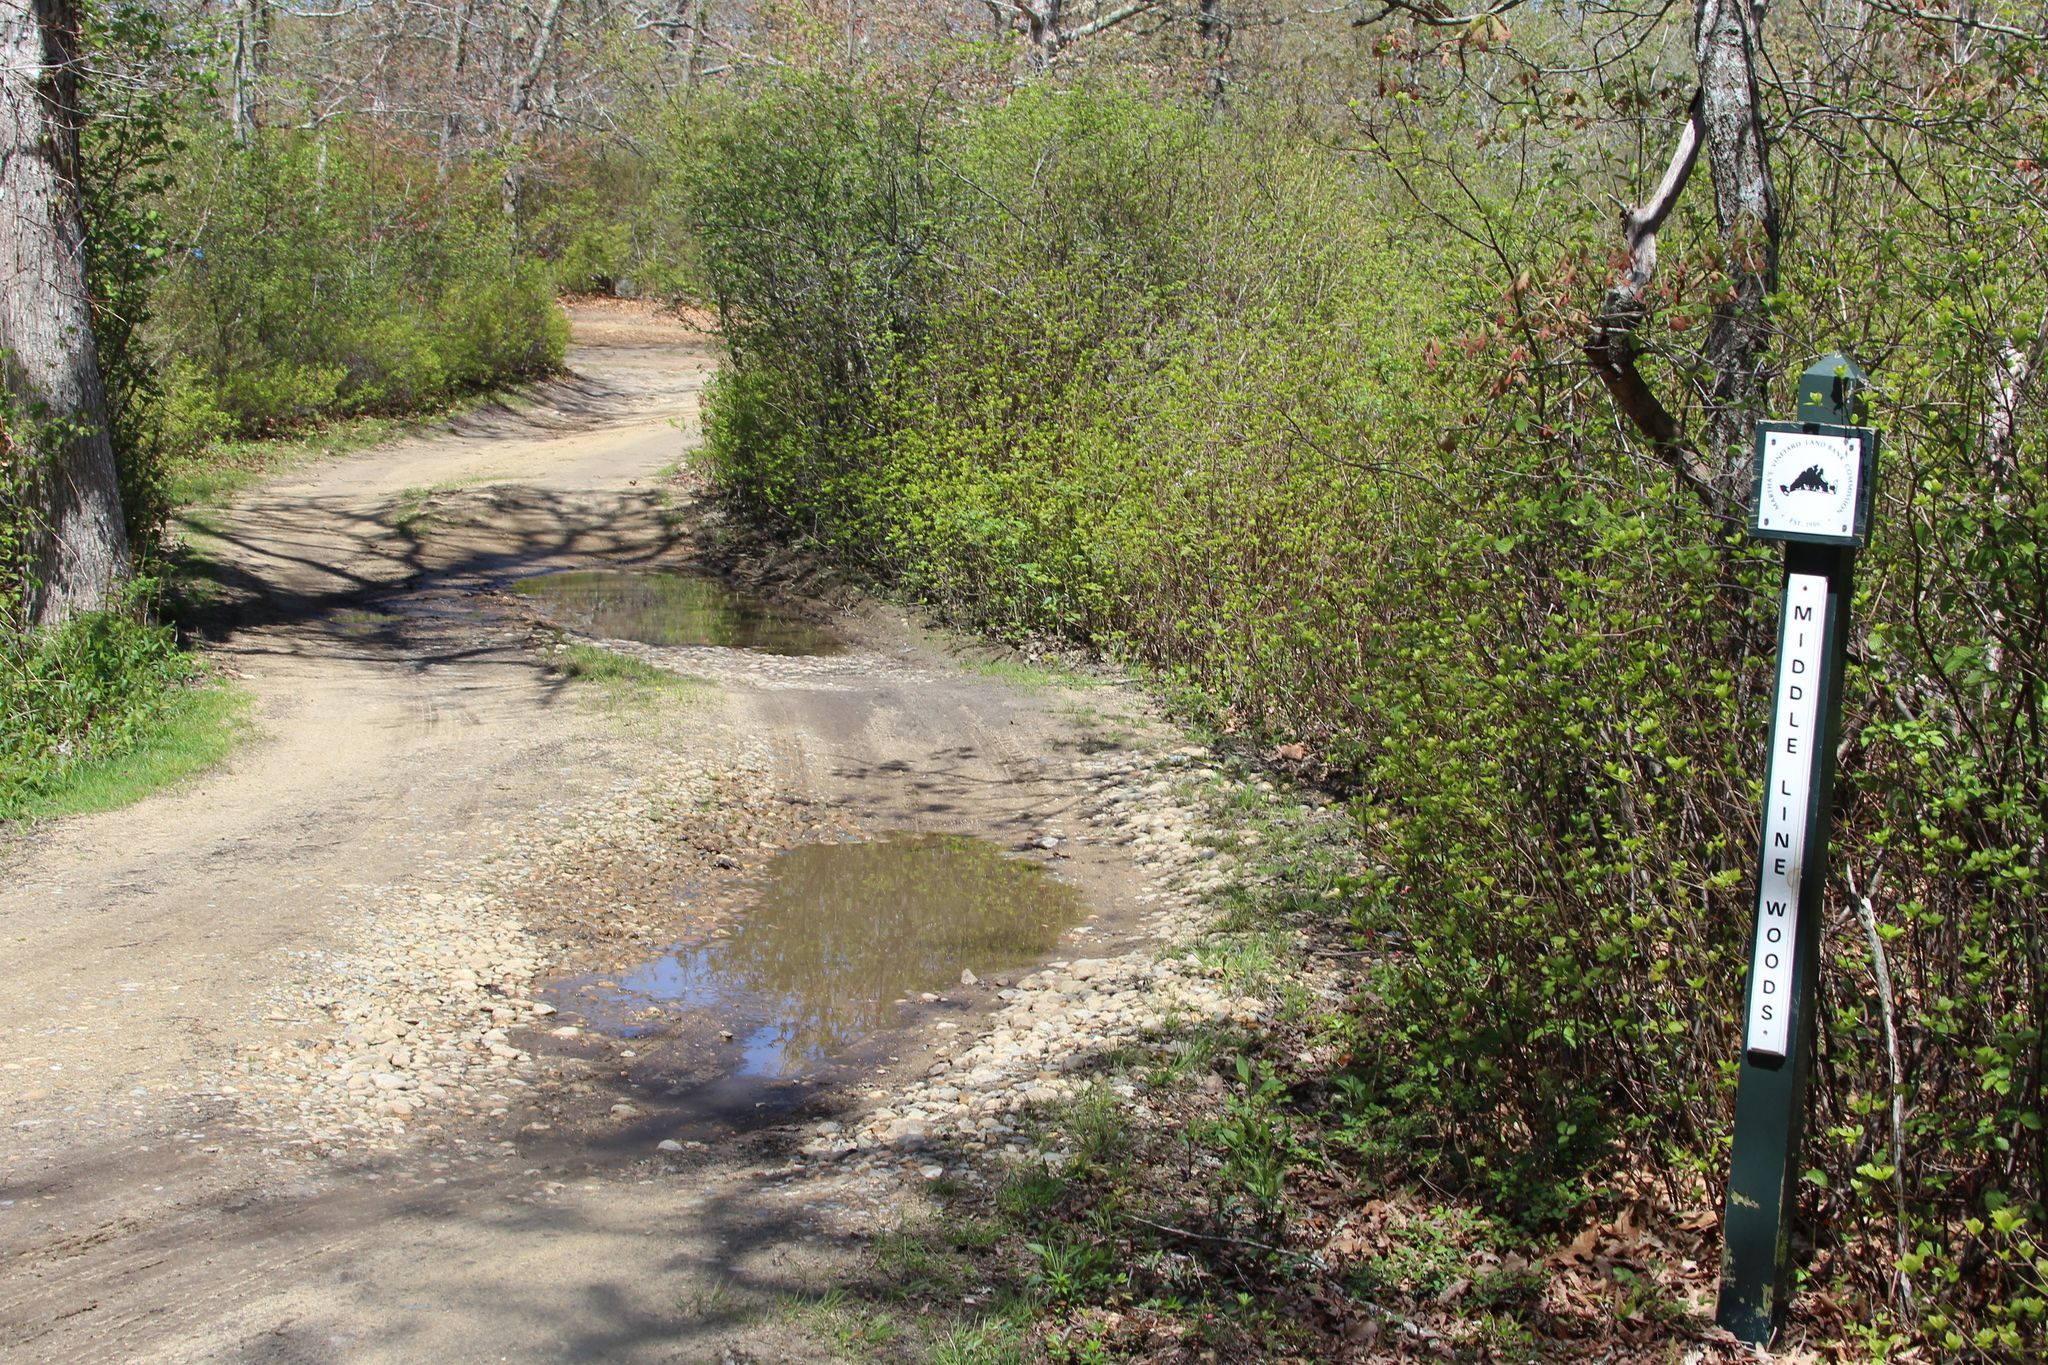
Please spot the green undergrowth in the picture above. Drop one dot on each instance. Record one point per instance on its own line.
(190, 730)
(1321, 457)
(336, 274)
(103, 711)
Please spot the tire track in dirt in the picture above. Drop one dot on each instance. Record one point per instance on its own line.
(160, 1201)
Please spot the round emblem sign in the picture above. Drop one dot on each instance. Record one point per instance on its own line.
(1809, 484)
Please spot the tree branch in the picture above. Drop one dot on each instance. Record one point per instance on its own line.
(1109, 20)
(1611, 345)
(1434, 15)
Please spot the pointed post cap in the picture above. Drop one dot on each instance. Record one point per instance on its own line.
(1831, 391)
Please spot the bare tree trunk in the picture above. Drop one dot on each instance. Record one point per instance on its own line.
(1042, 27)
(518, 107)
(252, 44)
(451, 121)
(51, 368)
(1215, 30)
(1746, 207)
(693, 53)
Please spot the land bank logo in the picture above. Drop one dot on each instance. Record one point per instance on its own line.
(1809, 484)
(1812, 479)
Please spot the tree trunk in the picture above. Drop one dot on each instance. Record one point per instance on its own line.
(693, 52)
(1746, 207)
(518, 110)
(1042, 27)
(1215, 30)
(451, 120)
(252, 43)
(51, 368)
(1725, 127)
(1612, 345)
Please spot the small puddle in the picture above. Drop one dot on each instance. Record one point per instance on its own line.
(672, 609)
(837, 936)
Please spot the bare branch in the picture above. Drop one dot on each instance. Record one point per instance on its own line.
(1969, 23)
(1611, 345)
(1109, 20)
(1434, 15)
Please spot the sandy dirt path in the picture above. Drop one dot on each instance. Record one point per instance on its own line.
(196, 1163)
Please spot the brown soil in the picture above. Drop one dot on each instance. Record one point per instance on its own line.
(410, 733)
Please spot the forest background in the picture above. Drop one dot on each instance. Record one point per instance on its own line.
(1377, 378)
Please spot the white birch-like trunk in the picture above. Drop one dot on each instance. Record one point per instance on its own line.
(1726, 42)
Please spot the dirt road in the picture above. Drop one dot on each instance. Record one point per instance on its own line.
(292, 1065)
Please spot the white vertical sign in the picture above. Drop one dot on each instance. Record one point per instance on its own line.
(1795, 741)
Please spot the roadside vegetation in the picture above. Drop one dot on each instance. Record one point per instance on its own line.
(1377, 383)
(257, 298)
(102, 710)
(1299, 420)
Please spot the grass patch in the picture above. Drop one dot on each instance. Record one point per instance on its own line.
(857, 1330)
(412, 512)
(194, 728)
(623, 680)
(1029, 1195)
(722, 1301)
(1040, 676)
(214, 476)
(918, 1263)
(990, 1342)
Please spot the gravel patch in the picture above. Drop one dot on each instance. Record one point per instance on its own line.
(418, 1032)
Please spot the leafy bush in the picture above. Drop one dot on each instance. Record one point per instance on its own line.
(605, 226)
(330, 274)
(1205, 395)
(90, 688)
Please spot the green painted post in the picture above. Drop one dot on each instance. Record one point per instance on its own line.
(1813, 491)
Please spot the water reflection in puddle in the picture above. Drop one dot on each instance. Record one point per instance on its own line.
(838, 934)
(671, 609)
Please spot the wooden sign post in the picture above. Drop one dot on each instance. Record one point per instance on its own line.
(1814, 480)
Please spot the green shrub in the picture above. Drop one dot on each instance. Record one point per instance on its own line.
(605, 224)
(331, 274)
(1246, 413)
(87, 690)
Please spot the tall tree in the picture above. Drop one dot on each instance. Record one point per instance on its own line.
(51, 368)
(1726, 45)
(252, 47)
(520, 115)
(458, 53)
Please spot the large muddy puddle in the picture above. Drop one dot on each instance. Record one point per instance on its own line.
(840, 938)
(671, 609)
